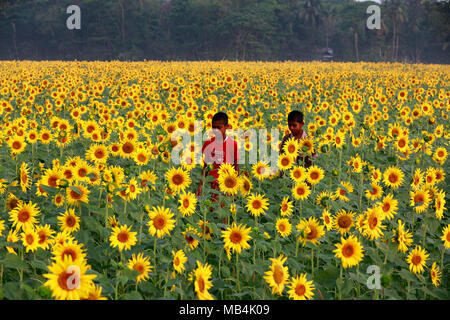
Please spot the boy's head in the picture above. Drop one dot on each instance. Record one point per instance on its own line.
(295, 122)
(220, 122)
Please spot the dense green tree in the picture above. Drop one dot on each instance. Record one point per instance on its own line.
(411, 30)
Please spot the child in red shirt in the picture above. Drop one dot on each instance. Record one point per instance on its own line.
(219, 149)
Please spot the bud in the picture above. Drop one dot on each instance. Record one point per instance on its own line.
(63, 183)
(44, 292)
(386, 280)
(335, 172)
(324, 148)
(207, 202)
(305, 148)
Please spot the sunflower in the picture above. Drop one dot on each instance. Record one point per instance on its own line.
(30, 239)
(161, 222)
(440, 174)
(122, 237)
(141, 264)
(236, 237)
(417, 260)
(393, 177)
(373, 223)
(401, 143)
(440, 155)
(127, 148)
(298, 174)
(283, 226)
(52, 177)
(323, 199)
(417, 180)
(97, 153)
(291, 147)
(179, 259)
(17, 145)
(277, 276)
(301, 288)
(375, 175)
(314, 174)
(389, 206)
(68, 280)
(339, 140)
(327, 219)
(257, 204)
(435, 274)
(205, 230)
(286, 207)
(133, 189)
(76, 194)
(245, 185)
(260, 170)
(285, 161)
(112, 222)
(430, 176)
(202, 281)
(343, 221)
(45, 233)
(142, 157)
(301, 191)
(3, 185)
(350, 251)
(69, 249)
(69, 221)
(12, 237)
(24, 215)
(2, 227)
(24, 177)
(374, 193)
(439, 204)
(229, 182)
(188, 235)
(402, 237)
(178, 179)
(147, 177)
(419, 200)
(95, 293)
(58, 200)
(446, 236)
(310, 231)
(343, 189)
(187, 202)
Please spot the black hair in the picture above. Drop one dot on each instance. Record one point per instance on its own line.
(295, 116)
(221, 116)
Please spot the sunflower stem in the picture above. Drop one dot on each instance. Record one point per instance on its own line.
(107, 205)
(312, 262)
(154, 251)
(424, 234)
(237, 272)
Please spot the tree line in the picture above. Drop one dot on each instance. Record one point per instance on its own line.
(270, 30)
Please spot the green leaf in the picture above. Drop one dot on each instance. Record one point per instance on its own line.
(76, 190)
(134, 295)
(327, 277)
(130, 274)
(37, 264)
(13, 261)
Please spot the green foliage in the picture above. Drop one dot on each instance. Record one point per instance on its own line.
(411, 30)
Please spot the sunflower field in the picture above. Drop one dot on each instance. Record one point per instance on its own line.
(93, 207)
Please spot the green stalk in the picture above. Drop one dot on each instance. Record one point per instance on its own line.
(237, 272)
